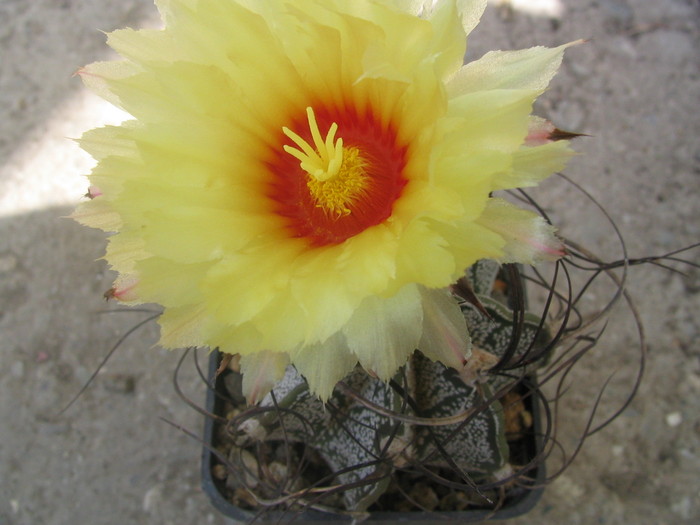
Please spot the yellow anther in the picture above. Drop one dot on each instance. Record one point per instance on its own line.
(337, 195)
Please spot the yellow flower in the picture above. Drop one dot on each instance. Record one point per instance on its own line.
(304, 178)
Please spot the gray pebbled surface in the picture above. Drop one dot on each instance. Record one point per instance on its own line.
(111, 459)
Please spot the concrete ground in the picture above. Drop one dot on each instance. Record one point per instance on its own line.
(111, 459)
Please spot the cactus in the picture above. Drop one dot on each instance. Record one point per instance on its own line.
(427, 417)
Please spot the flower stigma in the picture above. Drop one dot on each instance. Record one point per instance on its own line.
(336, 174)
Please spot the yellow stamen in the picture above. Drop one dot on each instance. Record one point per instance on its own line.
(337, 175)
(336, 194)
(324, 162)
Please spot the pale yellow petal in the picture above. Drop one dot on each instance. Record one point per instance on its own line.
(423, 103)
(260, 373)
(471, 178)
(97, 213)
(491, 120)
(281, 323)
(470, 241)
(529, 238)
(450, 39)
(425, 257)
(383, 332)
(147, 45)
(426, 199)
(470, 12)
(413, 7)
(324, 364)
(530, 69)
(181, 326)
(244, 338)
(531, 165)
(367, 261)
(99, 75)
(444, 336)
(326, 299)
(110, 141)
(124, 249)
(227, 288)
(171, 284)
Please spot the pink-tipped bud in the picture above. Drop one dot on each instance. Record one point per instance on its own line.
(123, 290)
(92, 192)
(539, 132)
(542, 131)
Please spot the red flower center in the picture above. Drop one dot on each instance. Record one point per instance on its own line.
(329, 189)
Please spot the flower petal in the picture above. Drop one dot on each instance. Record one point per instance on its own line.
(260, 373)
(470, 241)
(529, 238)
(156, 275)
(445, 336)
(181, 326)
(489, 120)
(227, 287)
(531, 165)
(97, 213)
(383, 332)
(470, 12)
(324, 364)
(450, 43)
(124, 249)
(530, 69)
(424, 257)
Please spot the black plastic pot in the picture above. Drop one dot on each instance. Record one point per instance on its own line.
(518, 502)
